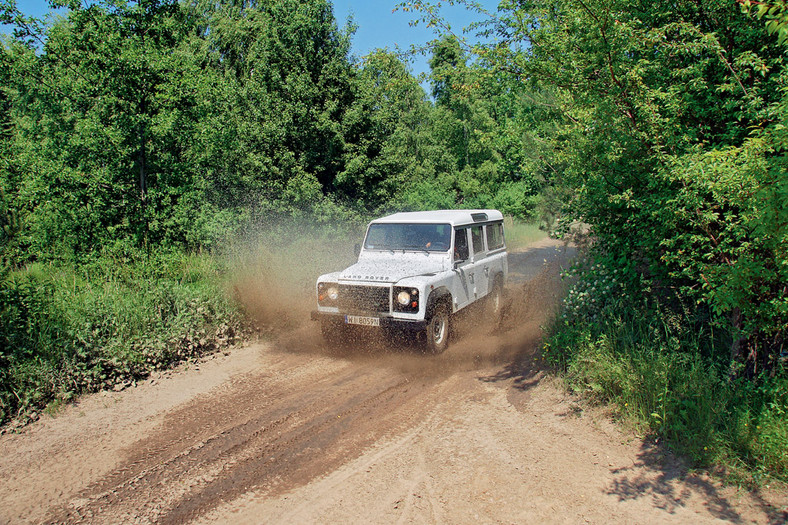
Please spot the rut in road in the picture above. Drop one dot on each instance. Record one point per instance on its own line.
(261, 435)
(278, 428)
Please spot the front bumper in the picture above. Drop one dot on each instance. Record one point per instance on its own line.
(404, 325)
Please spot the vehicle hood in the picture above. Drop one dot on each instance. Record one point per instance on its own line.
(392, 271)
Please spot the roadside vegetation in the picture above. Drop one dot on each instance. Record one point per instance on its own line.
(672, 148)
(157, 153)
(520, 234)
(69, 331)
(666, 370)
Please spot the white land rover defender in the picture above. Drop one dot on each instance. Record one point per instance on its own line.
(414, 271)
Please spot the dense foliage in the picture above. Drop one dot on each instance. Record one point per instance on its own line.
(64, 332)
(133, 129)
(670, 144)
(160, 123)
(671, 123)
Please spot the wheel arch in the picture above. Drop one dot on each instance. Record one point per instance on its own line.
(438, 296)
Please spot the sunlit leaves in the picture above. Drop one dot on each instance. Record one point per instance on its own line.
(775, 13)
(659, 108)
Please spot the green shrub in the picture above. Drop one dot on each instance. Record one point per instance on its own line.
(663, 371)
(64, 331)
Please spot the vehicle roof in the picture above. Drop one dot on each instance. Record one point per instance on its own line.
(453, 217)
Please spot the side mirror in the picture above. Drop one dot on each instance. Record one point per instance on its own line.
(356, 249)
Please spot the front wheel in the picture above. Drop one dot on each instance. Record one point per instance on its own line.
(438, 330)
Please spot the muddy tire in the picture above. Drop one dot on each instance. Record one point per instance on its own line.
(494, 306)
(438, 329)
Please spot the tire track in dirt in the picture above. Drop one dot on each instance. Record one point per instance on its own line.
(291, 432)
(210, 419)
(259, 435)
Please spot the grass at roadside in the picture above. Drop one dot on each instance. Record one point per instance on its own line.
(520, 234)
(671, 377)
(67, 331)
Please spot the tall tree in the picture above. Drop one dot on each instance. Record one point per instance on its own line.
(660, 108)
(275, 135)
(385, 133)
(94, 127)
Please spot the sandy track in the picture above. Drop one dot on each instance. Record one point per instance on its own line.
(289, 433)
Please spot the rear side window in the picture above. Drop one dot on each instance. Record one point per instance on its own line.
(494, 236)
(461, 244)
(478, 240)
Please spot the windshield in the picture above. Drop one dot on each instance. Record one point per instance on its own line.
(424, 237)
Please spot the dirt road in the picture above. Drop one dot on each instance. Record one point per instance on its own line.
(287, 432)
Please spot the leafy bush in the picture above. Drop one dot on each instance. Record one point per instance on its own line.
(515, 199)
(64, 332)
(663, 371)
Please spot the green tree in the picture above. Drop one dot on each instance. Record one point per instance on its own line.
(486, 138)
(386, 134)
(94, 124)
(659, 110)
(160, 123)
(275, 135)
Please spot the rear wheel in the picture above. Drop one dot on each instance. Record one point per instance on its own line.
(495, 306)
(438, 330)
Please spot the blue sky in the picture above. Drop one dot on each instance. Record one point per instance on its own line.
(378, 26)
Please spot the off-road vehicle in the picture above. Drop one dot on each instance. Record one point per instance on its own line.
(415, 271)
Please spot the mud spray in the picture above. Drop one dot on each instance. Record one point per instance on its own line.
(276, 270)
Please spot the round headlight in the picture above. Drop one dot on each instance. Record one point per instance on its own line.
(332, 293)
(403, 298)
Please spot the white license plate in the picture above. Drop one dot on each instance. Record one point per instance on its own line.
(363, 321)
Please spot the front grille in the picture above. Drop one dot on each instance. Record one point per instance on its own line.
(364, 298)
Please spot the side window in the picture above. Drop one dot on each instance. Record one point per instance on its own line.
(461, 244)
(494, 236)
(478, 239)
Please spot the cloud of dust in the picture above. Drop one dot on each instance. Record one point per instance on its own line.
(528, 306)
(275, 279)
(275, 269)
